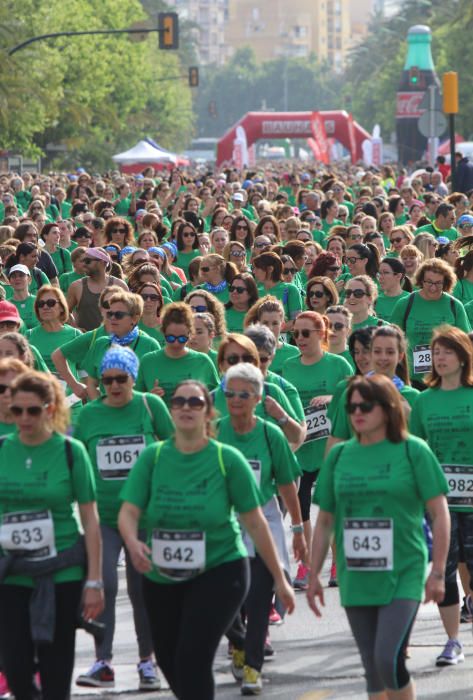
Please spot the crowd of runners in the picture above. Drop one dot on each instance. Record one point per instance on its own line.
(189, 361)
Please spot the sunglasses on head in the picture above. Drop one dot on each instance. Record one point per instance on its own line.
(357, 293)
(195, 403)
(180, 338)
(119, 379)
(235, 359)
(30, 410)
(316, 294)
(119, 315)
(364, 406)
(50, 303)
(149, 297)
(238, 394)
(290, 270)
(237, 290)
(305, 332)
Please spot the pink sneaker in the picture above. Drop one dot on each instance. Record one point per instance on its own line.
(301, 582)
(332, 582)
(4, 689)
(274, 617)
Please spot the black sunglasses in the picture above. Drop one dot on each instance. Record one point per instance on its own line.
(47, 302)
(237, 290)
(119, 379)
(3, 388)
(316, 294)
(305, 332)
(235, 359)
(118, 230)
(337, 326)
(195, 403)
(290, 270)
(30, 410)
(150, 297)
(357, 293)
(119, 315)
(364, 406)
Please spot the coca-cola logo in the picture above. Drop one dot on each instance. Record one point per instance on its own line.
(407, 105)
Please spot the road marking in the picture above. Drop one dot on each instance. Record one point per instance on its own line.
(316, 695)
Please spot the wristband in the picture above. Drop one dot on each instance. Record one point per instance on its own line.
(297, 529)
(94, 585)
(436, 574)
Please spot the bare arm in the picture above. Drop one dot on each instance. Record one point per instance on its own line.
(294, 431)
(128, 519)
(435, 584)
(64, 371)
(92, 388)
(331, 441)
(288, 494)
(93, 599)
(320, 544)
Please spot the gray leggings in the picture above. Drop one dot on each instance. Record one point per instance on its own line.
(382, 634)
(112, 546)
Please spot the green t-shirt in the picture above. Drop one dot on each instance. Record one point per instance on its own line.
(423, 317)
(141, 346)
(268, 452)
(463, 291)
(369, 321)
(288, 295)
(445, 420)
(317, 379)
(37, 478)
(76, 350)
(170, 371)
(122, 206)
(388, 484)
(450, 233)
(34, 285)
(114, 438)
(289, 391)
(283, 353)
(62, 260)
(184, 259)
(223, 295)
(26, 311)
(155, 333)
(385, 305)
(326, 227)
(234, 320)
(39, 363)
(49, 341)
(195, 492)
(67, 278)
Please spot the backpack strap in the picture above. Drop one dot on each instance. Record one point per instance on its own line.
(148, 411)
(453, 308)
(69, 453)
(220, 459)
(407, 311)
(159, 447)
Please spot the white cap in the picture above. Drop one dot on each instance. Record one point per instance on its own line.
(238, 197)
(19, 268)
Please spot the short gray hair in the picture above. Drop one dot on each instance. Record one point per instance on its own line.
(246, 372)
(262, 337)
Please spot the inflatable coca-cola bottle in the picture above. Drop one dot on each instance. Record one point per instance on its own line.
(418, 74)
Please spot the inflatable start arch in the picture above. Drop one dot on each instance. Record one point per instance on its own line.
(317, 127)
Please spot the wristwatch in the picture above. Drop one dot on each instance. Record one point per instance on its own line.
(283, 421)
(94, 585)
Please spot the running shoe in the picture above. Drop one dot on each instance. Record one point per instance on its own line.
(301, 582)
(452, 654)
(466, 613)
(332, 582)
(4, 688)
(268, 648)
(149, 679)
(100, 675)
(252, 683)
(238, 663)
(274, 617)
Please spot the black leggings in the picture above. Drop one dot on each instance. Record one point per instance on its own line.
(187, 622)
(305, 493)
(56, 660)
(381, 635)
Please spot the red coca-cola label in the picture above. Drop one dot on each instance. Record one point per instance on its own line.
(407, 105)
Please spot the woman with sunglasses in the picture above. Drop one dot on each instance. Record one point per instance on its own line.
(119, 230)
(46, 482)
(361, 294)
(378, 529)
(217, 275)
(124, 313)
(315, 374)
(242, 232)
(10, 369)
(235, 253)
(399, 238)
(162, 370)
(339, 329)
(115, 429)
(201, 301)
(243, 294)
(150, 321)
(205, 483)
(321, 293)
(394, 286)
(363, 259)
(424, 310)
(443, 417)
(267, 270)
(187, 245)
(270, 312)
(275, 469)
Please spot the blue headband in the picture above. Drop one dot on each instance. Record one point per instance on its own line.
(128, 249)
(158, 251)
(171, 247)
(123, 358)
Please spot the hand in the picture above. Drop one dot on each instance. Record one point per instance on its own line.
(92, 603)
(299, 546)
(286, 595)
(434, 589)
(80, 390)
(140, 555)
(320, 400)
(314, 591)
(273, 409)
(157, 390)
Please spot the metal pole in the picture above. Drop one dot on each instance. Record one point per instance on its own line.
(453, 165)
(431, 124)
(18, 47)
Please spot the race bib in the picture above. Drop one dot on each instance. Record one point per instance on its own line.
(29, 533)
(460, 484)
(255, 464)
(117, 455)
(422, 357)
(368, 544)
(318, 425)
(178, 554)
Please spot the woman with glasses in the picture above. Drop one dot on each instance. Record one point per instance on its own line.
(363, 259)
(235, 253)
(399, 237)
(187, 245)
(119, 230)
(162, 370)
(243, 294)
(355, 234)
(267, 270)
(297, 251)
(443, 417)
(124, 312)
(270, 312)
(394, 286)
(201, 301)
(150, 321)
(422, 311)
(191, 483)
(217, 275)
(275, 470)
(82, 237)
(378, 529)
(339, 329)
(242, 232)
(289, 272)
(47, 484)
(315, 374)
(321, 293)
(361, 294)
(115, 429)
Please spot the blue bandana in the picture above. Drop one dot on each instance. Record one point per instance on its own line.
(215, 288)
(172, 247)
(125, 339)
(120, 358)
(158, 251)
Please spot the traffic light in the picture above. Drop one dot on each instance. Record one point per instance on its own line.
(168, 25)
(193, 76)
(414, 76)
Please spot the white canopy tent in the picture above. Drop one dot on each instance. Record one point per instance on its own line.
(144, 152)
